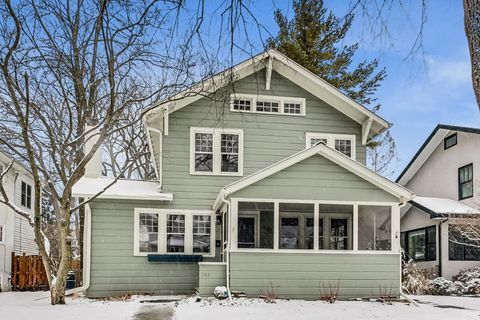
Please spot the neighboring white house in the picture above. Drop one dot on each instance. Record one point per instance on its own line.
(16, 234)
(445, 176)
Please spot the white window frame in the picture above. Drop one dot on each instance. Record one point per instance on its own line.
(331, 137)
(162, 231)
(395, 226)
(280, 99)
(217, 155)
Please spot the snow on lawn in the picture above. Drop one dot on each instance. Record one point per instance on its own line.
(255, 309)
(36, 305)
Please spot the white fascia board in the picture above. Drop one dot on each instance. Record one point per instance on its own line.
(335, 156)
(163, 197)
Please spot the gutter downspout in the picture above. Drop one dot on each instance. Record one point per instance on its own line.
(440, 246)
(87, 246)
(224, 200)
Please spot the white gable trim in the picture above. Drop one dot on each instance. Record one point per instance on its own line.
(330, 154)
(292, 71)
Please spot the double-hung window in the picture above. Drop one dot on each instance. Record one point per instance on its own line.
(26, 196)
(268, 104)
(465, 182)
(165, 231)
(216, 151)
(345, 143)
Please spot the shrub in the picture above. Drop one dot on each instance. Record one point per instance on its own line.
(414, 280)
(443, 287)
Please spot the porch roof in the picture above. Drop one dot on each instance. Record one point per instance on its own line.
(333, 155)
(444, 207)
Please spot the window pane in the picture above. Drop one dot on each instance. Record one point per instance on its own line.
(201, 233)
(337, 226)
(229, 152)
(203, 162)
(374, 228)
(432, 243)
(294, 108)
(314, 141)
(344, 146)
(255, 225)
(296, 226)
(204, 152)
(466, 189)
(148, 232)
(175, 233)
(267, 106)
(450, 141)
(417, 245)
(203, 142)
(242, 104)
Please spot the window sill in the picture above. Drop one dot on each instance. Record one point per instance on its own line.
(222, 174)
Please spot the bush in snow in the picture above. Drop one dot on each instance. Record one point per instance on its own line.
(414, 280)
(443, 287)
(470, 279)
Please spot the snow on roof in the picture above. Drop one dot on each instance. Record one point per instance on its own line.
(122, 189)
(443, 206)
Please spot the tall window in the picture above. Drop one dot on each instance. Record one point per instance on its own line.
(216, 151)
(421, 244)
(340, 142)
(26, 197)
(465, 182)
(148, 232)
(175, 233)
(463, 244)
(201, 233)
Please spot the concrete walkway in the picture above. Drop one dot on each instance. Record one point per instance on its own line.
(155, 311)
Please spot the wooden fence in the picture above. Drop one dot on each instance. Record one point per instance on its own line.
(28, 273)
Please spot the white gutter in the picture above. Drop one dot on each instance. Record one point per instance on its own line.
(87, 246)
(228, 204)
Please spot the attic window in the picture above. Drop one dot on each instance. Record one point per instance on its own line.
(268, 104)
(345, 143)
(450, 141)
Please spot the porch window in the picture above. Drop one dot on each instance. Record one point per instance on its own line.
(336, 227)
(148, 232)
(374, 228)
(296, 226)
(201, 233)
(175, 233)
(255, 225)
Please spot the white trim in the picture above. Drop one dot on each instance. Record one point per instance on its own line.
(216, 151)
(331, 139)
(366, 126)
(152, 154)
(309, 251)
(339, 158)
(162, 231)
(281, 100)
(355, 227)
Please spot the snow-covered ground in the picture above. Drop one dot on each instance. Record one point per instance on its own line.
(30, 305)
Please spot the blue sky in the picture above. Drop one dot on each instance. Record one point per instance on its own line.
(431, 87)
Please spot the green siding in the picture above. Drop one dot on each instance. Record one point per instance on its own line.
(267, 138)
(114, 268)
(315, 178)
(303, 275)
(211, 276)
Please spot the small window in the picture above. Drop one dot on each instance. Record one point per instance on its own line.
(268, 104)
(201, 233)
(463, 243)
(175, 233)
(341, 142)
(450, 141)
(465, 182)
(344, 146)
(294, 108)
(26, 197)
(148, 232)
(242, 104)
(421, 244)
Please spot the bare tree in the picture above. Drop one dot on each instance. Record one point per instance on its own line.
(381, 152)
(66, 65)
(472, 31)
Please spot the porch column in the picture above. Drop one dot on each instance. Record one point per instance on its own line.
(233, 224)
(396, 228)
(355, 227)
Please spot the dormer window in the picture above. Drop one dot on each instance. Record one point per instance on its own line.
(450, 141)
(268, 104)
(345, 143)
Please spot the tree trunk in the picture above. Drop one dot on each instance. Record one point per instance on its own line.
(472, 31)
(57, 288)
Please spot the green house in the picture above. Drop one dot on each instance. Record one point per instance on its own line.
(261, 184)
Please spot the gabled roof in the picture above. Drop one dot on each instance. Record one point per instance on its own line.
(331, 154)
(443, 207)
(432, 142)
(290, 70)
(121, 189)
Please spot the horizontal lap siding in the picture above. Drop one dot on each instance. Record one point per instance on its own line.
(315, 178)
(303, 275)
(267, 138)
(211, 276)
(114, 269)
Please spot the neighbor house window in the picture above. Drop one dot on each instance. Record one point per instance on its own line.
(268, 104)
(340, 142)
(450, 141)
(420, 244)
(148, 232)
(463, 245)
(26, 196)
(162, 231)
(216, 151)
(175, 233)
(255, 225)
(465, 182)
(374, 228)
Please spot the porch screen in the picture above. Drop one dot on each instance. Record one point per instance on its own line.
(335, 227)
(374, 228)
(296, 226)
(255, 225)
